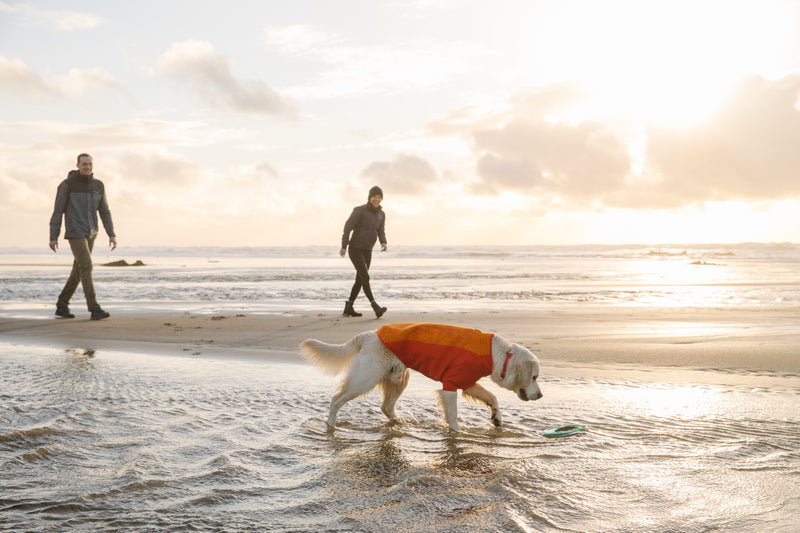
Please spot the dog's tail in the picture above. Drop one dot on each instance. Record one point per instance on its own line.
(331, 358)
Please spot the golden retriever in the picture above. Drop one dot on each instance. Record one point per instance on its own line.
(453, 355)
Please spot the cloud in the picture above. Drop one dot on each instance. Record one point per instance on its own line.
(253, 181)
(304, 40)
(531, 154)
(373, 69)
(209, 73)
(18, 78)
(537, 104)
(509, 173)
(405, 174)
(746, 151)
(266, 170)
(18, 193)
(248, 183)
(71, 20)
(78, 81)
(61, 20)
(749, 150)
(104, 136)
(157, 168)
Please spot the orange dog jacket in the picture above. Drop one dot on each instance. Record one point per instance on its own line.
(457, 357)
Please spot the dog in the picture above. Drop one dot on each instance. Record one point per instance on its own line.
(455, 356)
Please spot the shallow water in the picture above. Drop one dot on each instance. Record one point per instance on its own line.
(99, 441)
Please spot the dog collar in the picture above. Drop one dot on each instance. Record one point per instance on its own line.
(505, 364)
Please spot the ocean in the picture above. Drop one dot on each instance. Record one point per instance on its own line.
(309, 278)
(103, 440)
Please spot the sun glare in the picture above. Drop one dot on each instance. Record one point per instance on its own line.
(685, 401)
(670, 63)
(733, 221)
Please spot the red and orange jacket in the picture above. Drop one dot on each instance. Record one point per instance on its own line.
(457, 357)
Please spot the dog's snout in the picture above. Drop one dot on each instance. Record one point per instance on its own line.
(523, 395)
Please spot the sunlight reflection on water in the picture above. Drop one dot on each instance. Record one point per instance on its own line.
(110, 440)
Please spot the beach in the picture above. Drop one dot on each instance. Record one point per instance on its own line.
(190, 408)
(749, 340)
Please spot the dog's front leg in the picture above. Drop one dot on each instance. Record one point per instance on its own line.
(449, 402)
(478, 393)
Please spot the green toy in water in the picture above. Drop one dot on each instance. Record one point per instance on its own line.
(563, 431)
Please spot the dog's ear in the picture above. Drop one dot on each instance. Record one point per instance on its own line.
(525, 374)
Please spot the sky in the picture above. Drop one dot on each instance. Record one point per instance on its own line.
(263, 123)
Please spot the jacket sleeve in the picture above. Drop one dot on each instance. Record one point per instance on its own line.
(350, 225)
(381, 228)
(62, 194)
(105, 214)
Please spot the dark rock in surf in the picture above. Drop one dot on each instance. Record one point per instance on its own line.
(123, 263)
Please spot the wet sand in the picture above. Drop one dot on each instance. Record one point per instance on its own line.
(763, 340)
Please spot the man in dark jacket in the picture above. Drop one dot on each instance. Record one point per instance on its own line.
(366, 223)
(79, 199)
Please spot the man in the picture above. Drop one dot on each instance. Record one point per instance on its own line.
(79, 198)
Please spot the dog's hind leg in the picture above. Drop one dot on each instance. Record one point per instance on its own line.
(359, 380)
(393, 386)
(477, 393)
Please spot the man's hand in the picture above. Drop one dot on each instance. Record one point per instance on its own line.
(54, 245)
(112, 242)
(383, 247)
(343, 251)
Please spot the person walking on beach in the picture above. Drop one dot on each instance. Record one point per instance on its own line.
(79, 199)
(367, 224)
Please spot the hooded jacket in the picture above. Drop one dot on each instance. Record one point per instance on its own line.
(79, 199)
(455, 356)
(367, 225)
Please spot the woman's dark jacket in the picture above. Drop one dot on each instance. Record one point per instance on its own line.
(367, 224)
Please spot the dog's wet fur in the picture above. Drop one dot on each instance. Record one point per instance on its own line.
(370, 363)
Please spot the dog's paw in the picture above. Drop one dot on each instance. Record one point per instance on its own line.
(496, 419)
(454, 427)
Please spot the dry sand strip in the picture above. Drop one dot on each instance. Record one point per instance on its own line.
(722, 339)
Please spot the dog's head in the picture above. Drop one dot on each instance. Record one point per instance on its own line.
(521, 373)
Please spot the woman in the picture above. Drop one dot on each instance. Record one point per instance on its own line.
(367, 223)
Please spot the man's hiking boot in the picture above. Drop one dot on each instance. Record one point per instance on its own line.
(63, 312)
(99, 314)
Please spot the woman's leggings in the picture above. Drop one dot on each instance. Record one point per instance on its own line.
(361, 260)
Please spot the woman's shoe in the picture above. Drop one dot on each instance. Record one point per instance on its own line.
(349, 311)
(378, 309)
